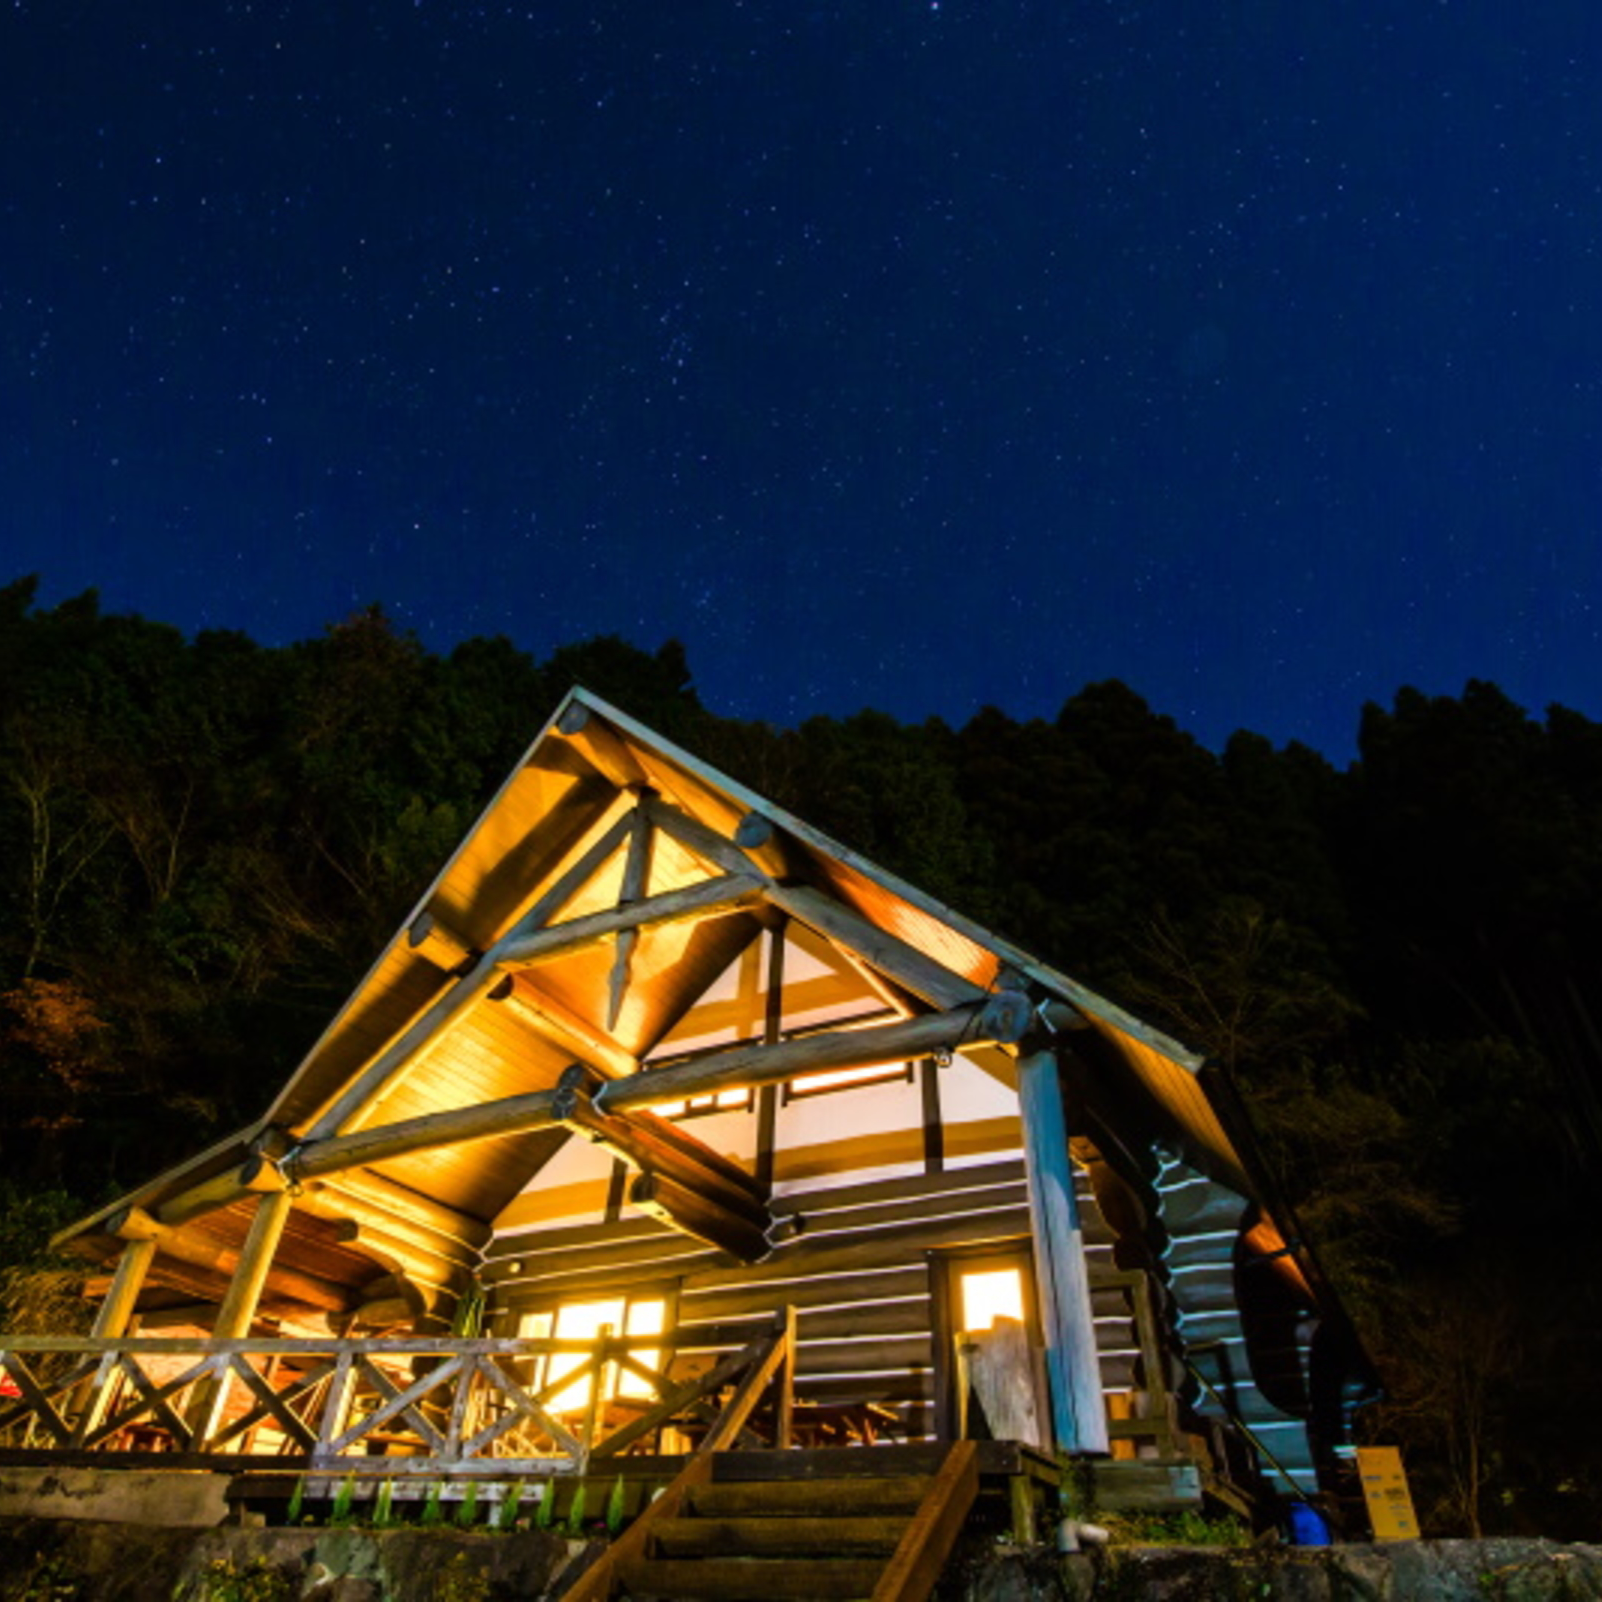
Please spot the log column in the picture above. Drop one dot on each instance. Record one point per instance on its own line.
(1078, 1413)
(91, 1399)
(116, 1311)
(238, 1308)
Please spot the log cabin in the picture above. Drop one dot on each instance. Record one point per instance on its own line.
(652, 1071)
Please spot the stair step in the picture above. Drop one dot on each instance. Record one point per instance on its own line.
(776, 1537)
(809, 1498)
(751, 1579)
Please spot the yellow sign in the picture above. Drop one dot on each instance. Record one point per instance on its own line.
(1390, 1504)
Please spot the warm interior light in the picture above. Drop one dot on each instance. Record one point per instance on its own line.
(803, 1084)
(583, 1321)
(989, 1295)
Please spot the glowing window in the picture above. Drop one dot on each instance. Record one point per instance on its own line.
(584, 1321)
(844, 1078)
(990, 1294)
(717, 1101)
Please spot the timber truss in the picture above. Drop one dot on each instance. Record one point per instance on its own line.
(605, 1096)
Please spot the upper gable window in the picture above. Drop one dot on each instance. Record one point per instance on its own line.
(715, 1102)
(846, 1079)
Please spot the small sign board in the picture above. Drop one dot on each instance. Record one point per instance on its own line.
(1390, 1503)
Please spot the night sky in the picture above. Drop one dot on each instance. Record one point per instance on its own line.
(911, 353)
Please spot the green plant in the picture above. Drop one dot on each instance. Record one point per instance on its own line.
(383, 1517)
(545, 1511)
(614, 1507)
(433, 1513)
(506, 1514)
(339, 1514)
(467, 1512)
(575, 1512)
(223, 1580)
(297, 1500)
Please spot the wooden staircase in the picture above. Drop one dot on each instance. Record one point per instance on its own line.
(707, 1539)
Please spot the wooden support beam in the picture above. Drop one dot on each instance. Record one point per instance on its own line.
(401, 1201)
(1079, 1415)
(514, 1115)
(644, 1149)
(117, 1309)
(932, 1531)
(91, 1399)
(419, 1237)
(1003, 1018)
(878, 949)
(401, 1256)
(222, 1190)
(573, 879)
(238, 1308)
(698, 1215)
(698, 837)
(563, 1026)
(482, 976)
(635, 874)
(207, 1253)
(605, 749)
(728, 893)
(429, 936)
(255, 1263)
(697, 1151)
(361, 1091)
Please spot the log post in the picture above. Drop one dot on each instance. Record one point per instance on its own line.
(1078, 1414)
(238, 1308)
(91, 1399)
(116, 1311)
(784, 1404)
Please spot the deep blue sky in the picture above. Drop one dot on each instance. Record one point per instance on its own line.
(905, 354)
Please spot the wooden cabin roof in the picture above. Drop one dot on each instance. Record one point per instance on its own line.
(575, 789)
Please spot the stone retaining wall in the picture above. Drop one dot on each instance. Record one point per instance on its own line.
(64, 1560)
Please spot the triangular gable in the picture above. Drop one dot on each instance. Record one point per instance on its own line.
(600, 817)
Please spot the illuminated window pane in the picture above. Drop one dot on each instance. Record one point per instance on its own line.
(583, 1321)
(645, 1318)
(838, 1078)
(989, 1295)
(579, 1321)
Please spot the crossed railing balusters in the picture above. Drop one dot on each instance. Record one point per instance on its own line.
(307, 1393)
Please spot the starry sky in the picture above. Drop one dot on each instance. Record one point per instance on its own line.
(916, 354)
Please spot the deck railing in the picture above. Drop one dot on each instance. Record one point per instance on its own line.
(425, 1404)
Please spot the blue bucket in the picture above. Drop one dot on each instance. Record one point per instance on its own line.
(1307, 1526)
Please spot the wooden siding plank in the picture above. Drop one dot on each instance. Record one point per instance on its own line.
(868, 1248)
(823, 1198)
(866, 1318)
(767, 1297)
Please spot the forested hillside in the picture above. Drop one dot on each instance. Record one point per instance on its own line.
(203, 843)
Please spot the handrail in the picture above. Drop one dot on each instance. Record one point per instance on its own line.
(442, 1401)
(772, 1356)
